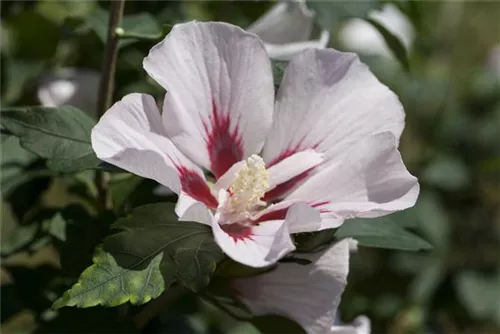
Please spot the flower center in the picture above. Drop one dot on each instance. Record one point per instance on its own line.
(248, 187)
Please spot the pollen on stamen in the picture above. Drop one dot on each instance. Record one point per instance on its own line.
(250, 184)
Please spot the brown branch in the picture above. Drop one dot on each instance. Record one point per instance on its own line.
(106, 88)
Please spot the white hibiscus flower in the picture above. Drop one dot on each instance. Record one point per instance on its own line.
(326, 153)
(286, 29)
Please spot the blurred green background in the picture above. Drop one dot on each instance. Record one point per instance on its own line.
(451, 143)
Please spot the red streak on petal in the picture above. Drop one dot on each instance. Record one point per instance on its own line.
(282, 189)
(318, 204)
(237, 231)
(273, 215)
(193, 185)
(224, 146)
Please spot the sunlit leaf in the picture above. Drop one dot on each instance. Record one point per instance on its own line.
(381, 233)
(60, 135)
(152, 251)
(108, 284)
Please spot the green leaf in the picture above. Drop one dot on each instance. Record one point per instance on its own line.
(427, 281)
(121, 186)
(152, 251)
(91, 320)
(18, 74)
(81, 233)
(233, 269)
(447, 172)
(60, 135)
(273, 324)
(381, 233)
(393, 42)
(190, 252)
(330, 13)
(479, 293)
(313, 241)
(278, 67)
(106, 283)
(19, 238)
(434, 221)
(141, 25)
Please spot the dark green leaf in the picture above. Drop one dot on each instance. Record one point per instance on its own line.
(106, 283)
(18, 74)
(153, 250)
(82, 233)
(92, 320)
(121, 186)
(61, 135)
(330, 13)
(190, 252)
(273, 324)
(381, 233)
(313, 241)
(393, 42)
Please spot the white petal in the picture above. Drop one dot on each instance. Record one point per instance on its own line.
(302, 218)
(287, 51)
(130, 135)
(309, 294)
(360, 325)
(285, 22)
(70, 86)
(327, 101)
(369, 181)
(360, 36)
(286, 29)
(264, 245)
(292, 166)
(218, 109)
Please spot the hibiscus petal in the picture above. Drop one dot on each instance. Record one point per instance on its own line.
(328, 100)
(369, 181)
(286, 29)
(130, 135)
(254, 246)
(218, 109)
(309, 294)
(292, 166)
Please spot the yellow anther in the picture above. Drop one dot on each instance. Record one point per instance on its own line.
(250, 184)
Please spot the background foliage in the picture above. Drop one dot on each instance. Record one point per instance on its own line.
(451, 94)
